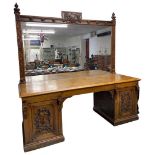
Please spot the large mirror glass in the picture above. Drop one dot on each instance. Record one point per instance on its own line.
(56, 48)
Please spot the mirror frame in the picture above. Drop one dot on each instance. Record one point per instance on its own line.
(67, 18)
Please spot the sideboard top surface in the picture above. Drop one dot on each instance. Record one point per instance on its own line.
(52, 83)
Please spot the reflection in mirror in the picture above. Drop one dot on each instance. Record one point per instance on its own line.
(56, 48)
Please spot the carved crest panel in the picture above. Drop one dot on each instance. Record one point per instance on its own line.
(71, 17)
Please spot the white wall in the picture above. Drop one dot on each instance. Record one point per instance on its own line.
(57, 42)
(62, 41)
(99, 45)
(73, 41)
(86, 132)
(83, 52)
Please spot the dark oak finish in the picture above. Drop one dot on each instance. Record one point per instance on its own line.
(20, 44)
(115, 96)
(117, 106)
(113, 43)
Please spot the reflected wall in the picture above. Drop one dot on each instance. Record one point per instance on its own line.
(56, 48)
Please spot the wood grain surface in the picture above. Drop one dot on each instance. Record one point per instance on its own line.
(44, 84)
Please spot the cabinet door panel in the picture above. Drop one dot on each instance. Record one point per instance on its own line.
(43, 120)
(127, 104)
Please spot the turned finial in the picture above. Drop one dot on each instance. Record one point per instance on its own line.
(16, 9)
(113, 16)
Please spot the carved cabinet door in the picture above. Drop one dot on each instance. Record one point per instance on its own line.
(41, 121)
(126, 103)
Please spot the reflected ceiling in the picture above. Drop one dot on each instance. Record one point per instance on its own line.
(70, 30)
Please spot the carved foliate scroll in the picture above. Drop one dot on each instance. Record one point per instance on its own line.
(42, 120)
(60, 102)
(126, 101)
(71, 17)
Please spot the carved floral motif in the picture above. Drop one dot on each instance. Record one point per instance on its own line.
(126, 102)
(42, 120)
